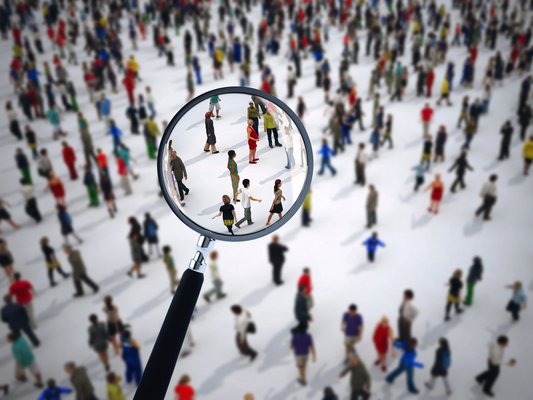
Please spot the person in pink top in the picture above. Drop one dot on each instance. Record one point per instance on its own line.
(23, 292)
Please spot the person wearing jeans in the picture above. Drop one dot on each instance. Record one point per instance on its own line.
(407, 364)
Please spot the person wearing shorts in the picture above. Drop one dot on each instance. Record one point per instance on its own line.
(228, 213)
(302, 345)
(352, 326)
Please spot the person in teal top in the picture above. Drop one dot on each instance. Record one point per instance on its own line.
(55, 120)
(24, 358)
(214, 103)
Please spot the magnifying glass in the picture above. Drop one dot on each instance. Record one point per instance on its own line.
(234, 164)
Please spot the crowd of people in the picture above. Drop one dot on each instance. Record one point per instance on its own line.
(53, 40)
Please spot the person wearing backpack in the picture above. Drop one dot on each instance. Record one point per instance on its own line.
(443, 359)
(150, 232)
(243, 326)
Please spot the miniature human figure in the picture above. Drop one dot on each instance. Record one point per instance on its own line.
(277, 206)
(253, 138)
(247, 198)
(228, 213)
(383, 339)
(437, 189)
(372, 244)
(454, 294)
(234, 174)
(210, 132)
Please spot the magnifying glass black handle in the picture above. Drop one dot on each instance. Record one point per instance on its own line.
(160, 366)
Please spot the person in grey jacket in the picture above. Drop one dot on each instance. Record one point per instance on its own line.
(371, 206)
(210, 132)
(180, 173)
(489, 195)
(80, 382)
(98, 339)
(79, 272)
(359, 378)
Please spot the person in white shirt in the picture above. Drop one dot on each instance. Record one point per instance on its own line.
(287, 143)
(408, 313)
(217, 280)
(30, 206)
(360, 164)
(246, 203)
(489, 195)
(243, 322)
(489, 376)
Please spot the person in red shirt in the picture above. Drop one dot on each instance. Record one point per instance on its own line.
(23, 292)
(129, 85)
(430, 79)
(305, 280)
(55, 185)
(69, 157)
(383, 341)
(183, 390)
(123, 174)
(101, 159)
(427, 116)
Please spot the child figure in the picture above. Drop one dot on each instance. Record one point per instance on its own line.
(228, 213)
(372, 244)
(437, 189)
(114, 391)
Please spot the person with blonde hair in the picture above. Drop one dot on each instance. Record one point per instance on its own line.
(454, 294)
(437, 189)
(228, 213)
(383, 339)
(253, 138)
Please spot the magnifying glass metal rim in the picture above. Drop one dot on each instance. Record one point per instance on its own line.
(246, 236)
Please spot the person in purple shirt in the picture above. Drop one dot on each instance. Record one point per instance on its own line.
(372, 244)
(352, 326)
(407, 363)
(302, 345)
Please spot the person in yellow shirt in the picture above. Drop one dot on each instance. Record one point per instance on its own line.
(151, 132)
(114, 391)
(445, 92)
(133, 66)
(527, 151)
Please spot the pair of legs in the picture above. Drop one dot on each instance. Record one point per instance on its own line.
(280, 215)
(56, 267)
(211, 147)
(434, 206)
(409, 370)
(301, 364)
(488, 377)
(251, 156)
(111, 207)
(136, 268)
(75, 236)
(244, 348)
(326, 163)
(247, 217)
(215, 290)
(381, 361)
(104, 358)
(455, 302)
(486, 207)
(431, 383)
(21, 376)
(88, 281)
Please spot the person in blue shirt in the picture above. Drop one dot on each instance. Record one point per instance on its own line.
(372, 244)
(104, 108)
(407, 364)
(131, 357)
(518, 300)
(53, 392)
(115, 133)
(326, 152)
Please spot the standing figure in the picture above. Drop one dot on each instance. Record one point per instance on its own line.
(24, 359)
(507, 134)
(171, 268)
(210, 132)
(69, 157)
(98, 339)
(80, 381)
(234, 174)
(23, 165)
(440, 143)
(24, 292)
(252, 113)
(271, 128)
(371, 206)
(243, 326)
(361, 160)
(517, 303)
(55, 185)
(360, 383)
(276, 256)
(277, 206)
(131, 357)
(427, 116)
(372, 244)
(475, 273)
(407, 314)
(352, 327)
(383, 339)
(137, 254)
(460, 165)
(214, 103)
(92, 187)
(150, 232)
(65, 221)
(107, 192)
(16, 318)
(51, 261)
(253, 138)
(437, 190)
(215, 277)
(247, 198)
(30, 203)
(325, 162)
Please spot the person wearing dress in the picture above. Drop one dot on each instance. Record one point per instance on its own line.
(383, 339)
(277, 206)
(253, 138)
(437, 189)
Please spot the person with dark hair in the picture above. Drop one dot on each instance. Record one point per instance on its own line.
(215, 277)
(53, 392)
(210, 132)
(490, 375)
(114, 323)
(407, 364)
(79, 272)
(301, 308)
(360, 383)
(329, 394)
(131, 356)
(527, 152)
(16, 318)
(489, 196)
(507, 134)
(325, 162)
(383, 339)
(276, 256)
(407, 314)
(252, 114)
(243, 326)
(372, 244)
(24, 358)
(114, 391)
(23, 292)
(137, 254)
(352, 326)
(443, 359)
(302, 345)
(30, 202)
(247, 198)
(234, 174)
(271, 128)
(80, 381)
(277, 206)
(89, 181)
(518, 300)
(361, 160)
(150, 228)
(98, 337)
(106, 186)
(371, 206)
(475, 274)
(23, 165)
(171, 268)
(65, 221)
(184, 390)
(460, 166)
(228, 213)
(454, 294)
(253, 138)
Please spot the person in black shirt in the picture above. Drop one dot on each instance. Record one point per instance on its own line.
(507, 134)
(460, 165)
(441, 366)
(276, 256)
(52, 263)
(228, 213)
(454, 294)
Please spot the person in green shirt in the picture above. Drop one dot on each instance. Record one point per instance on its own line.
(214, 103)
(171, 269)
(234, 174)
(253, 114)
(55, 120)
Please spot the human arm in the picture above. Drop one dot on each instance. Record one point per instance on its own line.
(380, 243)
(217, 215)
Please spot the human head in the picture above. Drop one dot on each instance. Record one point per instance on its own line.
(69, 367)
(232, 154)
(352, 308)
(184, 380)
(93, 319)
(226, 199)
(277, 184)
(236, 309)
(493, 178)
(51, 383)
(111, 377)
(16, 276)
(167, 249)
(275, 238)
(306, 271)
(502, 340)
(408, 294)
(516, 286)
(246, 182)
(214, 255)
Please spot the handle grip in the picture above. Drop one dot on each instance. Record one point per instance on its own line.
(158, 372)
